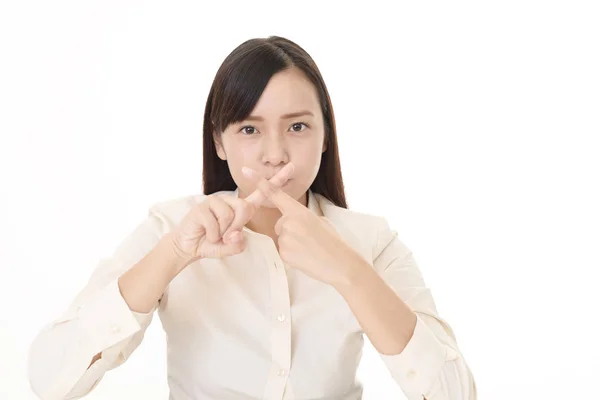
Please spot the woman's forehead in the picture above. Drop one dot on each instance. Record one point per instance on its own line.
(287, 92)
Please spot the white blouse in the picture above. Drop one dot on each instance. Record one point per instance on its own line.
(248, 326)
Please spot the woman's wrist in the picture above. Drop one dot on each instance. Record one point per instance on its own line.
(175, 258)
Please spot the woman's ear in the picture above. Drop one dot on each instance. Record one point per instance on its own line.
(219, 147)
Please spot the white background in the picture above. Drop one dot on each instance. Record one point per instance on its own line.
(477, 121)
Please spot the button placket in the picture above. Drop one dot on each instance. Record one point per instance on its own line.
(280, 325)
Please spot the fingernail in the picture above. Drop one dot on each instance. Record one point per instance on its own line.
(249, 172)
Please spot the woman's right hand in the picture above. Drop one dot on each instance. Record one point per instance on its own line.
(213, 228)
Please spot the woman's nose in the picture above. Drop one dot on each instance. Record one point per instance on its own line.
(274, 150)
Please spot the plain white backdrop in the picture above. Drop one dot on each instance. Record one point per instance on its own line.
(478, 121)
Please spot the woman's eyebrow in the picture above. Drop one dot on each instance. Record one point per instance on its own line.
(297, 114)
(284, 116)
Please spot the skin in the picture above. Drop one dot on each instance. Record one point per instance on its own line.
(272, 201)
(385, 318)
(270, 138)
(260, 146)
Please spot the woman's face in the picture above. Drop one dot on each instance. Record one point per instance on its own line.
(285, 126)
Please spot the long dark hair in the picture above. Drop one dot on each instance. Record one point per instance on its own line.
(238, 85)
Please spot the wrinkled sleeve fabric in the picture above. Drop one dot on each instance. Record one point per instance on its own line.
(431, 366)
(97, 321)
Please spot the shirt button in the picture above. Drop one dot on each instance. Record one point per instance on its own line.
(411, 374)
(115, 329)
(281, 372)
(281, 318)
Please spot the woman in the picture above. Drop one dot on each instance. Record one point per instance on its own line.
(266, 283)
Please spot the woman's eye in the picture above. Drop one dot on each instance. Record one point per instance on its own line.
(248, 130)
(298, 126)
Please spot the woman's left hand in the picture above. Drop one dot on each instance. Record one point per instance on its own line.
(308, 242)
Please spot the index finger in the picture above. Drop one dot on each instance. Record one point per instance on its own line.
(245, 208)
(286, 204)
(257, 197)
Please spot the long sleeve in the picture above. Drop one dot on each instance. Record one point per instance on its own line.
(97, 321)
(431, 366)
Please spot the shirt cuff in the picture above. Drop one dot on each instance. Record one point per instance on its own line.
(418, 366)
(108, 320)
(89, 380)
(105, 324)
(111, 357)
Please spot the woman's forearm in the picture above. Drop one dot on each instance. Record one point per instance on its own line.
(144, 283)
(386, 320)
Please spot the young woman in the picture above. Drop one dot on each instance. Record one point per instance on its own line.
(266, 283)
